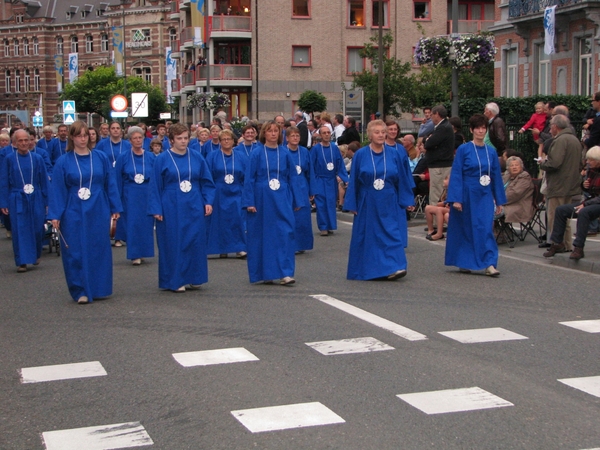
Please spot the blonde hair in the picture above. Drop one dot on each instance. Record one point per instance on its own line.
(343, 149)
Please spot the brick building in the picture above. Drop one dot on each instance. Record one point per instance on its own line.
(523, 68)
(37, 36)
(265, 58)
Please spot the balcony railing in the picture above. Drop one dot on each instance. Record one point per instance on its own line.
(175, 86)
(175, 46)
(174, 7)
(231, 23)
(471, 26)
(518, 8)
(189, 79)
(225, 72)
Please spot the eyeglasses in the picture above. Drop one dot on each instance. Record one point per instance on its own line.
(226, 139)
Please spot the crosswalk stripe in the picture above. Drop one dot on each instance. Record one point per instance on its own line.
(120, 435)
(373, 319)
(346, 346)
(589, 385)
(210, 357)
(482, 335)
(454, 400)
(62, 372)
(590, 326)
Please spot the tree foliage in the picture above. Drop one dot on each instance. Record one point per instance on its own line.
(93, 90)
(311, 101)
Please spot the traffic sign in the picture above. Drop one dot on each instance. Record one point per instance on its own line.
(118, 103)
(68, 119)
(38, 121)
(69, 107)
(139, 104)
(119, 114)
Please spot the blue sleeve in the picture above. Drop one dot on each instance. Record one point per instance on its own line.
(110, 185)
(455, 187)
(119, 175)
(156, 188)
(497, 183)
(58, 190)
(249, 180)
(207, 183)
(3, 183)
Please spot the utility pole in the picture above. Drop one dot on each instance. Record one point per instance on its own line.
(380, 60)
(454, 104)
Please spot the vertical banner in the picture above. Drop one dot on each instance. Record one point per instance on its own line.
(73, 67)
(58, 69)
(118, 45)
(171, 71)
(549, 21)
(198, 18)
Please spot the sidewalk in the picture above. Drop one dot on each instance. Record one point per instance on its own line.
(527, 249)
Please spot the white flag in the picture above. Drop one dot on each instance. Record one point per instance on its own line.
(549, 14)
(73, 67)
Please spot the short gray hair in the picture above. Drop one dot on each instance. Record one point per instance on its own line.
(561, 109)
(593, 153)
(516, 158)
(132, 130)
(561, 121)
(493, 108)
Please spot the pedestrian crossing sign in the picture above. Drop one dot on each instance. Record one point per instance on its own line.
(69, 107)
(68, 119)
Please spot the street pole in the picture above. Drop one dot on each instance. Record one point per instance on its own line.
(380, 63)
(454, 69)
(207, 56)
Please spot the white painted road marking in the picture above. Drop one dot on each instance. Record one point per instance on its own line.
(62, 372)
(284, 417)
(210, 357)
(380, 322)
(454, 400)
(590, 326)
(345, 346)
(482, 335)
(589, 385)
(120, 435)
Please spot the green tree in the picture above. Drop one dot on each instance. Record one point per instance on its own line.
(93, 90)
(311, 101)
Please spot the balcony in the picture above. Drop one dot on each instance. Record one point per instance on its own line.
(174, 14)
(471, 26)
(175, 51)
(184, 4)
(225, 75)
(175, 88)
(231, 27)
(187, 38)
(520, 8)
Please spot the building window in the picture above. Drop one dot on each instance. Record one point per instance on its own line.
(172, 34)
(143, 72)
(19, 18)
(26, 47)
(543, 68)
(300, 8)
(74, 44)
(7, 80)
(300, 55)
(16, 45)
(17, 80)
(421, 10)
(356, 13)
(386, 13)
(36, 46)
(355, 63)
(511, 72)
(36, 80)
(6, 48)
(89, 44)
(104, 43)
(59, 45)
(141, 35)
(27, 80)
(585, 67)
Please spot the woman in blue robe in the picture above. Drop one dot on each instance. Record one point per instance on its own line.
(391, 137)
(270, 197)
(212, 144)
(304, 233)
(326, 164)
(227, 223)
(379, 192)
(83, 199)
(248, 140)
(134, 171)
(181, 196)
(24, 197)
(476, 193)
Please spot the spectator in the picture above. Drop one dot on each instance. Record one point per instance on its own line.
(305, 137)
(496, 136)
(519, 192)
(350, 132)
(440, 152)
(594, 138)
(338, 127)
(459, 139)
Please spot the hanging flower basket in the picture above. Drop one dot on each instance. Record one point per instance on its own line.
(208, 101)
(469, 50)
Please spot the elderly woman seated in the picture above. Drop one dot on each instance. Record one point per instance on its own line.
(519, 192)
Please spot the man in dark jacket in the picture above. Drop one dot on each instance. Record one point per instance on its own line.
(302, 127)
(496, 128)
(350, 134)
(439, 154)
(594, 138)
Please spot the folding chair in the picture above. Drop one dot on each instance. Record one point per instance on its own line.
(539, 208)
(421, 201)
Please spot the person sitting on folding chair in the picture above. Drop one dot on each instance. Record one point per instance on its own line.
(519, 192)
(585, 211)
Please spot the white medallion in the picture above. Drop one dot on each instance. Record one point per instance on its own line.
(274, 184)
(330, 166)
(484, 180)
(378, 184)
(185, 186)
(229, 178)
(84, 193)
(139, 178)
(28, 189)
(298, 170)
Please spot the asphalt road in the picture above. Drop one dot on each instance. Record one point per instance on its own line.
(511, 387)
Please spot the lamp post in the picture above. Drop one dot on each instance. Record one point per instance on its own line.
(454, 104)
(123, 2)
